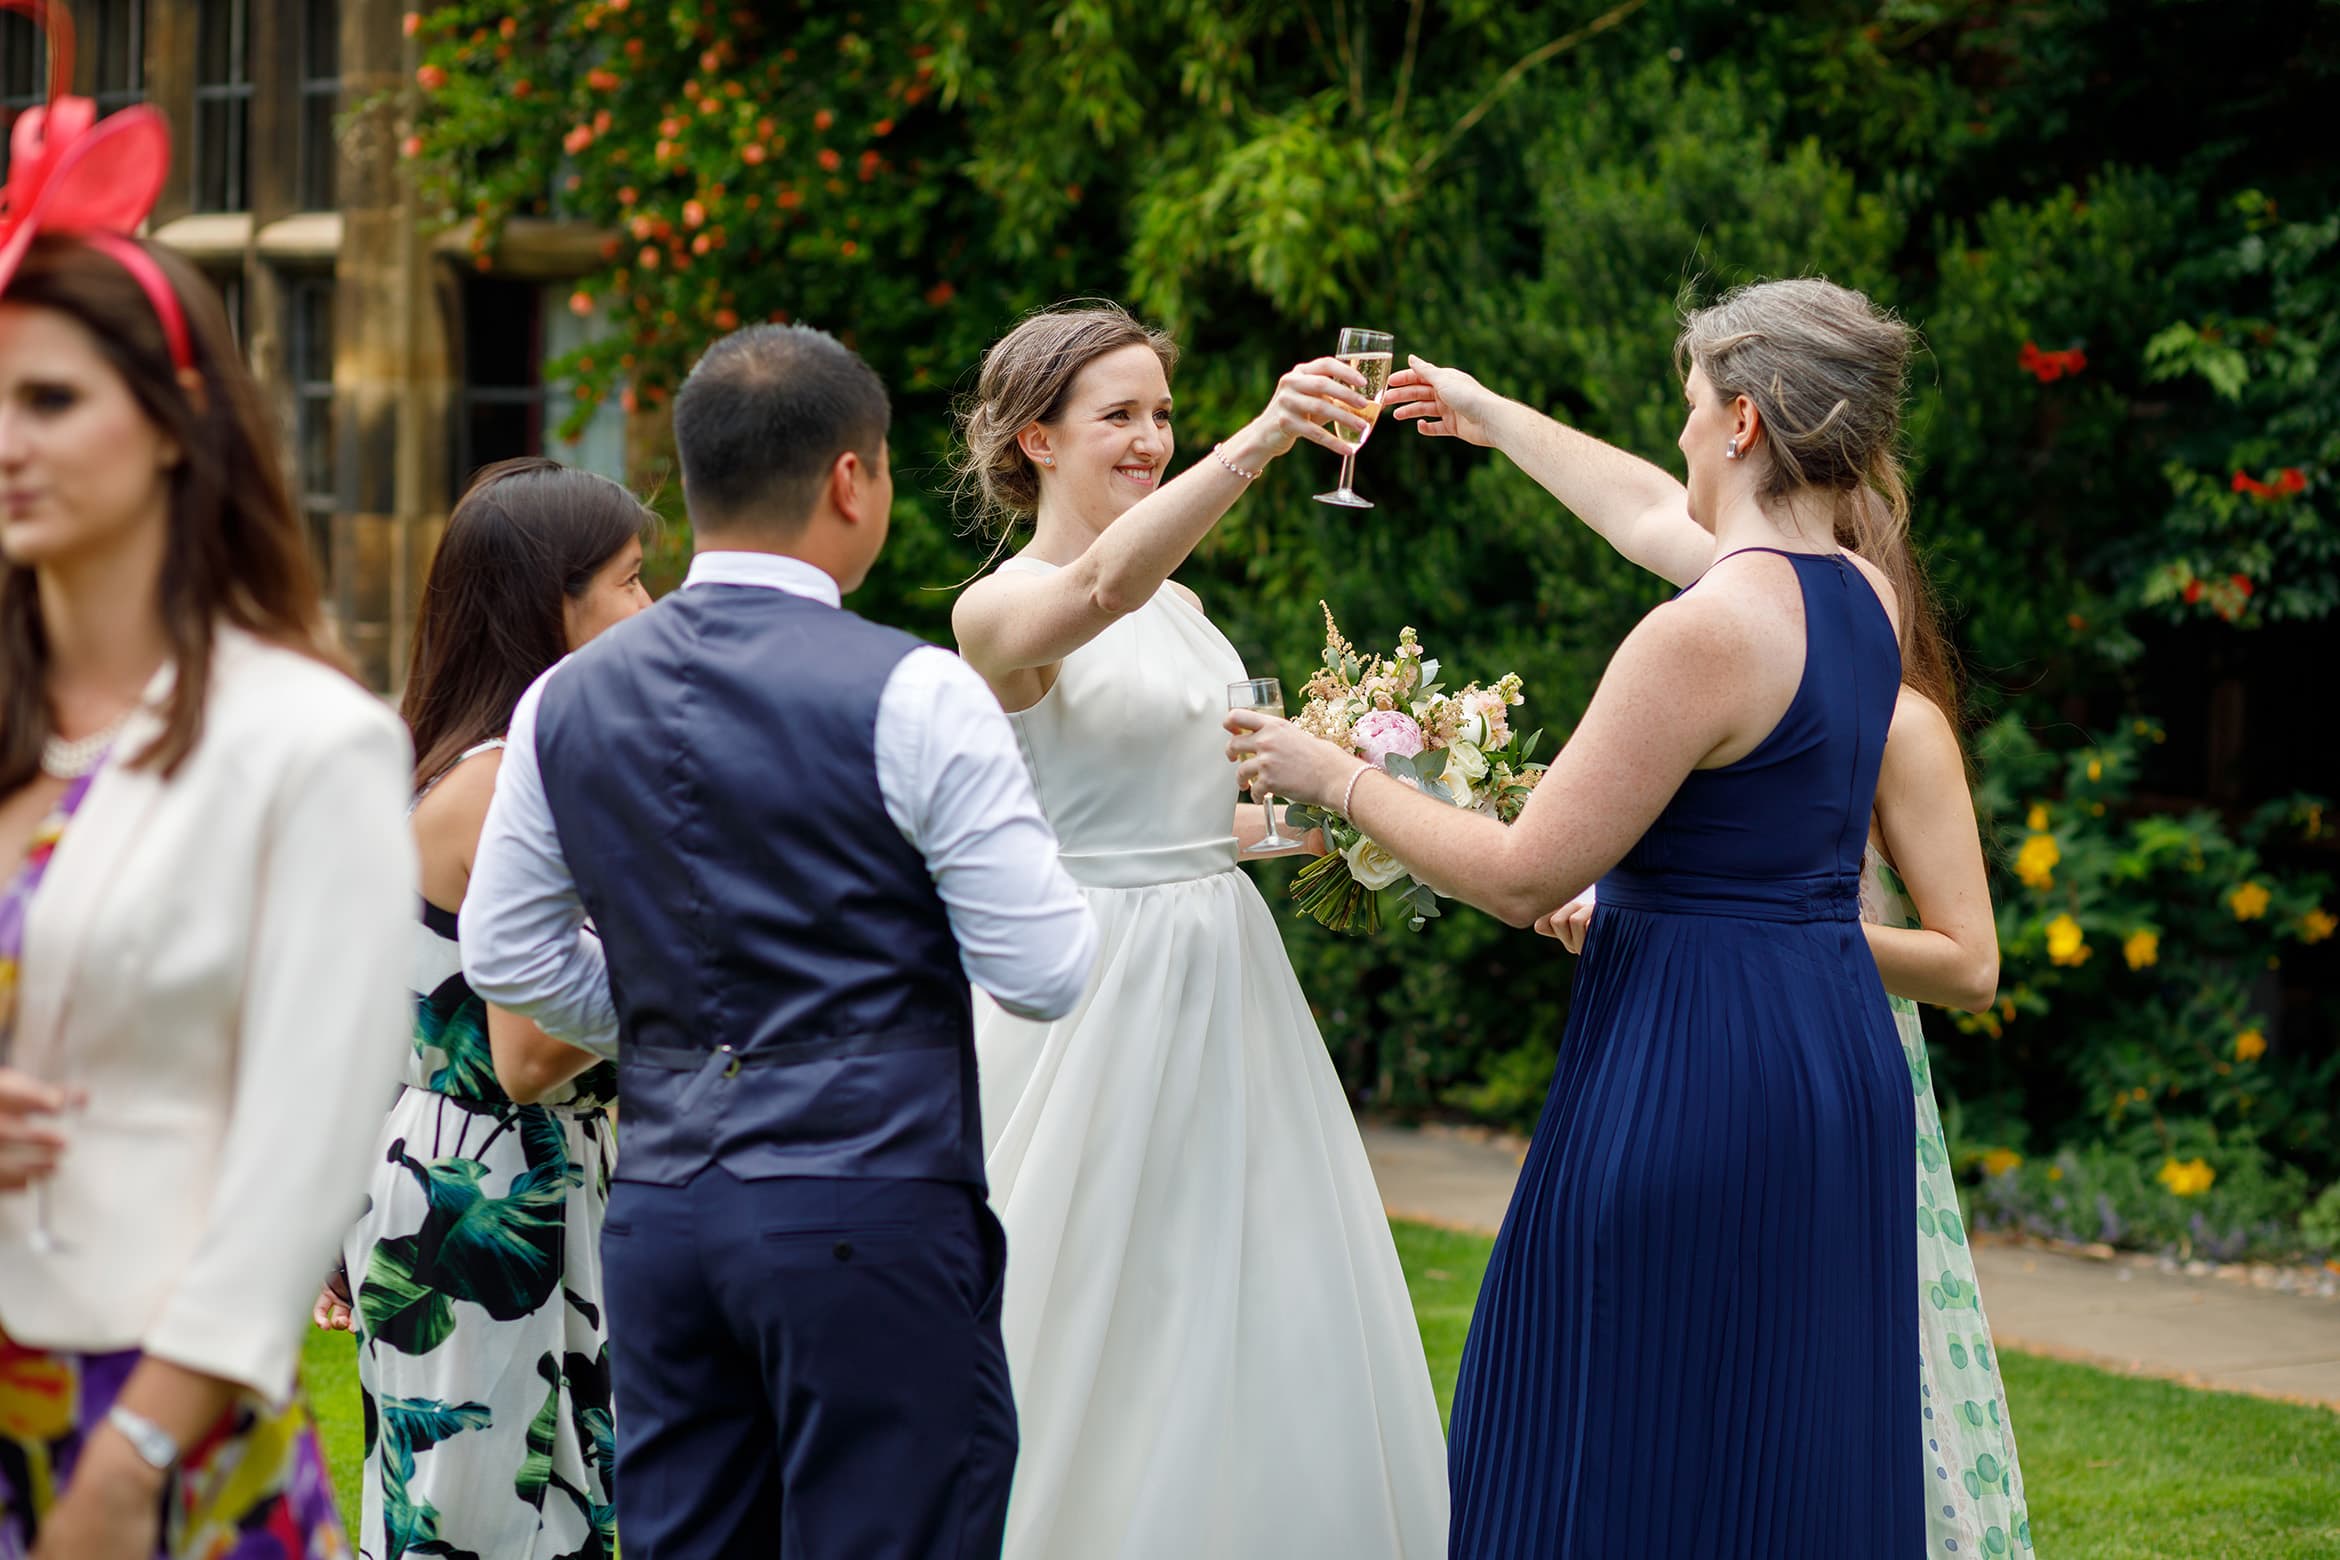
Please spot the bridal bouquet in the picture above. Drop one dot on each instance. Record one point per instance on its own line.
(1393, 712)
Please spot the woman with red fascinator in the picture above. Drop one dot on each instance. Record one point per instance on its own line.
(205, 879)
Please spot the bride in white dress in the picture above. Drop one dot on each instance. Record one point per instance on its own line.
(1212, 1347)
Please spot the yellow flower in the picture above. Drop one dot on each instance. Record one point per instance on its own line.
(2037, 819)
(2190, 1178)
(2142, 948)
(36, 1394)
(2007, 1009)
(2065, 944)
(2055, 1172)
(2036, 862)
(2096, 769)
(2000, 1160)
(2249, 1046)
(2317, 925)
(2249, 902)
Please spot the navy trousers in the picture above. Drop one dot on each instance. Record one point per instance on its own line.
(808, 1369)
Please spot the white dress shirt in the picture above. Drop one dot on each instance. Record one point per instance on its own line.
(952, 780)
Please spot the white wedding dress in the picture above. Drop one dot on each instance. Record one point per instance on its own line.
(1213, 1351)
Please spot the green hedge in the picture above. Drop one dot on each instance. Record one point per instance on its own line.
(2125, 429)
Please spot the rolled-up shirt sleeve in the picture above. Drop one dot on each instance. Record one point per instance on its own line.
(526, 947)
(955, 784)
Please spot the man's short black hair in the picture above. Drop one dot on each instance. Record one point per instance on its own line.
(763, 418)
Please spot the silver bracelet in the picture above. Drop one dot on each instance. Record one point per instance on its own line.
(1220, 450)
(1359, 773)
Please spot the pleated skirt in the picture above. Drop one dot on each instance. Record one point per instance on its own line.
(1696, 1336)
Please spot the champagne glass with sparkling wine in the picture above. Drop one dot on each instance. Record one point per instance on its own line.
(1369, 352)
(1265, 695)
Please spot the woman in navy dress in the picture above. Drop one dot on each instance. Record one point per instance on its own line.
(1694, 1339)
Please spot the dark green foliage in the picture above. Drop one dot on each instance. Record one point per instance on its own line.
(2113, 224)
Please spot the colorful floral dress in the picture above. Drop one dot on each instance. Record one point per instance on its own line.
(1974, 1490)
(476, 1285)
(253, 1489)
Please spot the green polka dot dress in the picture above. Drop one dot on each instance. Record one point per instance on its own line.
(1974, 1490)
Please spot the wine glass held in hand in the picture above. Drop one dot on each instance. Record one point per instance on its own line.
(1266, 696)
(1369, 352)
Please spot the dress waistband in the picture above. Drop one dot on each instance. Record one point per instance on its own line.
(1152, 867)
(1827, 896)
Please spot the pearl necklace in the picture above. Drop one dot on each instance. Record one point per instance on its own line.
(63, 760)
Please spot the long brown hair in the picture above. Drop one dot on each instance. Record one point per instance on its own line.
(1929, 661)
(528, 536)
(236, 551)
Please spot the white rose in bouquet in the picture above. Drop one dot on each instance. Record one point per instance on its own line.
(1464, 758)
(1372, 867)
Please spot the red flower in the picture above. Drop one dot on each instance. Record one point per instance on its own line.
(849, 248)
(702, 244)
(870, 162)
(649, 257)
(2243, 482)
(577, 140)
(790, 199)
(580, 302)
(2290, 480)
(2193, 591)
(823, 119)
(941, 293)
(751, 154)
(509, 27)
(882, 127)
(829, 158)
(2242, 583)
(601, 80)
(694, 214)
(430, 78)
(727, 319)
(412, 146)
(411, 23)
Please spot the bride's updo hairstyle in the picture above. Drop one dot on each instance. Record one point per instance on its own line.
(1024, 379)
(1827, 370)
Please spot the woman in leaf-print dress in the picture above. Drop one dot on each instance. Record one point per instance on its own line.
(473, 1281)
(1925, 902)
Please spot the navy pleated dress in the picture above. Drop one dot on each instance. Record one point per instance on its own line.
(1696, 1336)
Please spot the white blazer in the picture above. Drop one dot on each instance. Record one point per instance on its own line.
(219, 959)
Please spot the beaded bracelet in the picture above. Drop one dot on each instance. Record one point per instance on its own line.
(1359, 773)
(1220, 450)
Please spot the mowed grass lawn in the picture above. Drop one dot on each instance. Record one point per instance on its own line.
(2116, 1468)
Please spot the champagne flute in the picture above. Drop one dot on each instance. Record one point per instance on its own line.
(1266, 696)
(1371, 353)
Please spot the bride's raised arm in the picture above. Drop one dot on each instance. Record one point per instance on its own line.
(1012, 622)
(1638, 508)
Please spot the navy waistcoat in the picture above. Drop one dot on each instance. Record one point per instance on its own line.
(789, 994)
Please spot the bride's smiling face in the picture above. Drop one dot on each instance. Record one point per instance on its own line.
(1110, 445)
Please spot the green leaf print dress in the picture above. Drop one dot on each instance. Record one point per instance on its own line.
(476, 1281)
(1974, 1491)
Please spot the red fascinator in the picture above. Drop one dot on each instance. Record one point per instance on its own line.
(72, 173)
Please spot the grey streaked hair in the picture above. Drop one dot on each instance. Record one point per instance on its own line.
(1827, 371)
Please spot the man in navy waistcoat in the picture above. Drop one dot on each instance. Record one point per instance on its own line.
(797, 836)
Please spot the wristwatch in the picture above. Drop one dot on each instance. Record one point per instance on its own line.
(150, 1441)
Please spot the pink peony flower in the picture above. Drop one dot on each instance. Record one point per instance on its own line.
(1379, 733)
